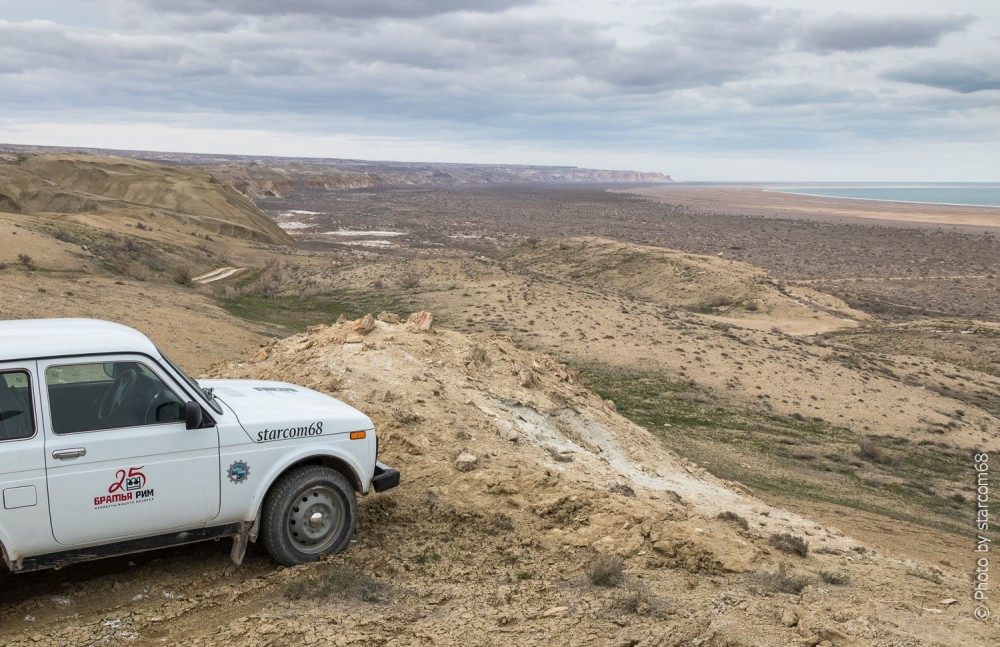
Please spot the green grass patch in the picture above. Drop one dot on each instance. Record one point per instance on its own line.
(294, 312)
(804, 459)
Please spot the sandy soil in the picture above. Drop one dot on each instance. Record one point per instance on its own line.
(759, 201)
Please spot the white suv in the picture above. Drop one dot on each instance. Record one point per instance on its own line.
(106, 447)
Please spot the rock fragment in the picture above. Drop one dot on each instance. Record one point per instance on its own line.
(364, 325)
(466, 462)
(421, 321)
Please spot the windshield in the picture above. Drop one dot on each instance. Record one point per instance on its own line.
(187, 378)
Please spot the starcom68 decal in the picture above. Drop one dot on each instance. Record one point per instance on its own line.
(127, 487)
(305, 431)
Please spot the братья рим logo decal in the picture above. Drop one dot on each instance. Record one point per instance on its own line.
(128, 486)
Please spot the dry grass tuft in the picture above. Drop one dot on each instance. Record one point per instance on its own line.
(346, 581)
(868, 450)
(789, 543)
(780, 581)
(607, 570)
(735, 518)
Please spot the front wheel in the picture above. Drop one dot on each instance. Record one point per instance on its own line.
(309, 512)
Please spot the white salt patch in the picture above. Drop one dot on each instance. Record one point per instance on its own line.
(303, 212)
(294, 224)
(349, 232)
(371, 243)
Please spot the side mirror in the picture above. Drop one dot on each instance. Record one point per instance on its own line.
(193, 415)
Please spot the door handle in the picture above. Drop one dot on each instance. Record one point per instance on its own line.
(63, 454)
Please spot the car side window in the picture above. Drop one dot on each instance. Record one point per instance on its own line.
(108, 395)
(17, 419)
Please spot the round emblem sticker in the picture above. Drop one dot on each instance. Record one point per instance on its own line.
(238, 472)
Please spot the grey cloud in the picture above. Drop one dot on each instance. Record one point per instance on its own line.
(524, 38)
(956, 76)
(703, 46)
(359, 9)
(476, 45)
(732, 26)
(204, 22)
(803, 94)
(496, 73)
(853, 33)
(41, 45)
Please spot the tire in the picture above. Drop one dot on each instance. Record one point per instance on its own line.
(309, 512)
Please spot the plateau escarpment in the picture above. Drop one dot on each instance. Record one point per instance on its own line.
(269, 177)
(78, 186)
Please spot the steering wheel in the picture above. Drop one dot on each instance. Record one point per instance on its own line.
(117, 394)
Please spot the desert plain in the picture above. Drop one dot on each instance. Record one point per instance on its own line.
(648, 414)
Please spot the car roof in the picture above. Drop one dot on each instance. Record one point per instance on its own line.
(35, 338)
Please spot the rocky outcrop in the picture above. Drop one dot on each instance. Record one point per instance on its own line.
(276, 177)
(79, 184)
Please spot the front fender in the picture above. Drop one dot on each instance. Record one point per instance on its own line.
(350, 465)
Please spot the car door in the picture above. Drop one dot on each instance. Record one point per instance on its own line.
(120, 461)
(24, 517)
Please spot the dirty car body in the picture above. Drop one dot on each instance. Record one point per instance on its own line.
(107, 447)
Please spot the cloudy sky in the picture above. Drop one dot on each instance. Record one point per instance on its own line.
(905, 90)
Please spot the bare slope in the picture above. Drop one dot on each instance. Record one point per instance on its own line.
(122, 239)
(526, 477)
(882, 439)
(125, 188)
(570, 299)
(738, 293)
(530, 513)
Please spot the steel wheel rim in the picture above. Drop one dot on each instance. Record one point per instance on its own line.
(315, 519)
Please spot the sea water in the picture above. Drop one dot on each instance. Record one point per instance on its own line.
(965, 195)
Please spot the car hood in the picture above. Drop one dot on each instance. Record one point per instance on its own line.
(270, 411)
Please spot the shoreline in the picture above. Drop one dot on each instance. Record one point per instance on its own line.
(844, 197)
(767, 202)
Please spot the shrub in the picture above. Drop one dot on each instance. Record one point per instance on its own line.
(607, 570)
(409, 281)
(183, 275)
(26, 261)
(718, 301)
(837, 579)
(500, 524)
(789, 543)
(139, 272)
(639, 601)
(781, 581)
(622, 489)
(735, 518)
(868, 450)
(346, 581)
(929, 575)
